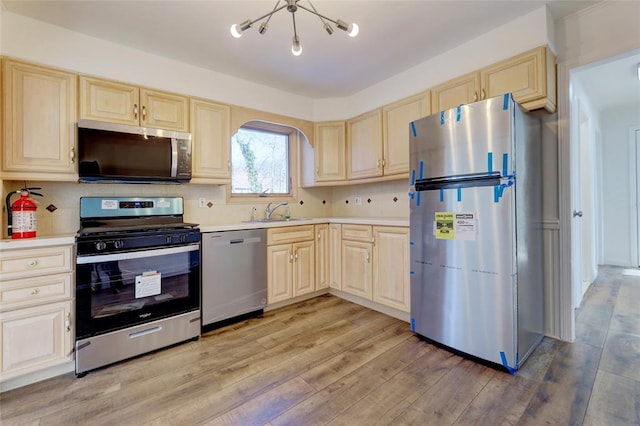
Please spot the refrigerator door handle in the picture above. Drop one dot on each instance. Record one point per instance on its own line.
(459, 181)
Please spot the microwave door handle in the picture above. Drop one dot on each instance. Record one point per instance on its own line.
(174, 157)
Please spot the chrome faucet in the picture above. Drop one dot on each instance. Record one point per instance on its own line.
(269, 211)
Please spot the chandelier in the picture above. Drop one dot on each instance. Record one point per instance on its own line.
(292, 6)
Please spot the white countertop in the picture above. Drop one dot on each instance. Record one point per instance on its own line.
(55, 240)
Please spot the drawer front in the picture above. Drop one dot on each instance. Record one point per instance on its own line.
(34, 262)
(363, 233)
(290, 234)
(33, 291)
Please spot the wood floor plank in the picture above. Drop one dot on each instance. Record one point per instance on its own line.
(621, 355)
(615, 400)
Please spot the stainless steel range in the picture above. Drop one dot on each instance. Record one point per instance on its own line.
(137, 278)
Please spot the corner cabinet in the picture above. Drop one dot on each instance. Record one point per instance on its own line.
(210, 129)
(329, 151)
(396, 119)
(364, 145)
(117, 102)
(290, 262)
(38, 123)
(36, 309)
(530, 76)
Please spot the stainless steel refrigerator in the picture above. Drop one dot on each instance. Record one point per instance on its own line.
(476, 239)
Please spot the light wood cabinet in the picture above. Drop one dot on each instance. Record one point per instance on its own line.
(322, 256)
(530, 76)
(391, 267)
(38, 122)
(210, 129)
(335, 256)
(364, 145)
(117, 102)
(329, 151)
(36, 300)
(290, 262)
(396, 119)
(357, 268)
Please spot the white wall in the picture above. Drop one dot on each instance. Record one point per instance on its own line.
(616, 165)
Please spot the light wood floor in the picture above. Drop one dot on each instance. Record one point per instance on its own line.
(330, 361)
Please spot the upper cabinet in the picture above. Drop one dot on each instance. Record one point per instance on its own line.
(38, 122)
(210, 128)
(530, 76)
(396, 119)
(116, 102)
(364, 145)
(329, 151)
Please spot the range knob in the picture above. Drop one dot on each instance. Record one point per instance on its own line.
(118, 244)
(100, 245)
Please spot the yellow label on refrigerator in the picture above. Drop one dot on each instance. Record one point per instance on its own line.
(444, 226)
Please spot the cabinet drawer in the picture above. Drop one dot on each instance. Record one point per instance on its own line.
(34, 262)
(363, 233)
(31, 291)
(290, 234)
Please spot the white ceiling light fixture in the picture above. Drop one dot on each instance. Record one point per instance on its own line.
(292, 7)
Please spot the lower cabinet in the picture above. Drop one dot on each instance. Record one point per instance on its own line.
(36, 309)
(375, 264)
(290, 262)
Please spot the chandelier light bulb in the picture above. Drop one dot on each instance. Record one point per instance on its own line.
(234, 31)
(328, 28)
(296, 47)
(263, 28)
(238, 29)
(353, 30)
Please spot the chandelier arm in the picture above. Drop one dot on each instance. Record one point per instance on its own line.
(253, 21)
(315, 11)
(295, 32)
(319, 15)
(273, 11)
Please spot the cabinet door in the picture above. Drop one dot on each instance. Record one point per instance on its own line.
(110, 101)
(304, 276)
(329, 151)
(396, 119)
(279, 270)
(526, 76)
(210, 127)
(357, 268)
(391, 267)
(39, 122)
(364, 145)
(35, 338)
(164, 110)
(322, 256)
(459, 91)
(335, 256)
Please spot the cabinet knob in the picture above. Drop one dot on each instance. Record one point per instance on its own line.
(484, 94)
(368, 257)
(291, 258)
(72, 155)
(68, 321)
(475, 96)
(32, 262)
(34, 291)
(144, 113)
(135, 111)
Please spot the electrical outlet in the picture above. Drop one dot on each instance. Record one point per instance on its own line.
(202, 202)
(358, 201)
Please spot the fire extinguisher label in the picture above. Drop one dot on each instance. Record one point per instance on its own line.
(24, 221)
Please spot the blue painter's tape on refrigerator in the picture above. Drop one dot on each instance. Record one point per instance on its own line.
(490, 162)
(411, 243)
(421, 175)
(459, 194)
(411, 273)
(458, 112)
(503, 356)
(413, 129)
(413, 176)
(505, 103)
(418, 198)
(505, 164)
(441, 117)
(442, 195)
(413, 325)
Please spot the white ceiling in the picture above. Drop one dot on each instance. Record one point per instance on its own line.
(394, 35)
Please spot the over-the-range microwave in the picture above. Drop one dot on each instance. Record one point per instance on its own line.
(113, 153)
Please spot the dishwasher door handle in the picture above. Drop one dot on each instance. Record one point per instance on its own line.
(237, 241)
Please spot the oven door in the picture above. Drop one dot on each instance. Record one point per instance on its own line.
(115, 291)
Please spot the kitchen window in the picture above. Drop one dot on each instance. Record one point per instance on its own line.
(261, 160)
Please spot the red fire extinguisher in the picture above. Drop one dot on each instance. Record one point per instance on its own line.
(21, 215)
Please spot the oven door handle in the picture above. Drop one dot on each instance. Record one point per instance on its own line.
(84, 260)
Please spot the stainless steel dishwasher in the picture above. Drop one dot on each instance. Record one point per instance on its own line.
(234, 275)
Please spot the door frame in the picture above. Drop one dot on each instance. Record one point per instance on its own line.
(634, 193)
